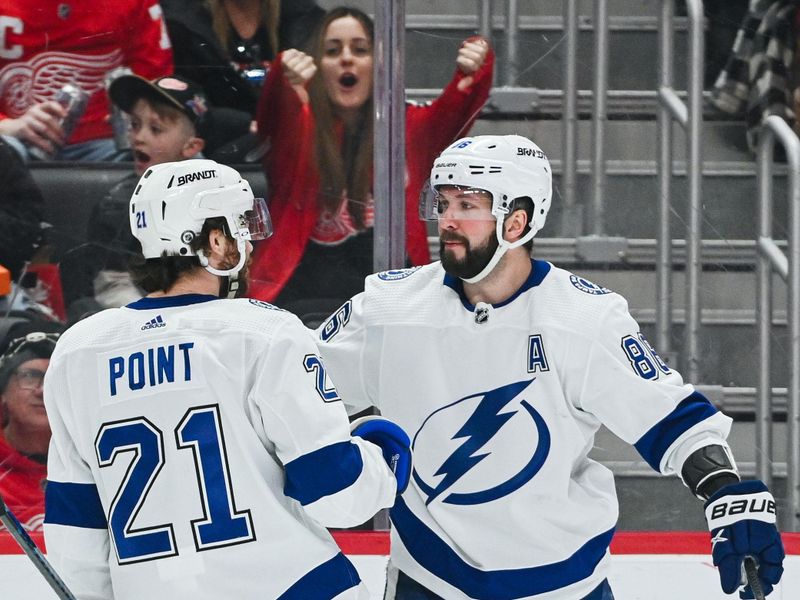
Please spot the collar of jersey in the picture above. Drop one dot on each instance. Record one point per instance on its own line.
(170, 301)
(539, 270)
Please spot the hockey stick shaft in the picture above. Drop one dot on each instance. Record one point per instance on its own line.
(751, 571)
(32, 550)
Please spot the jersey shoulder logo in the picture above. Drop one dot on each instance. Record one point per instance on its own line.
(263, 304)
(481, 447)
(154, 323)
(397, 274)
(587, 287)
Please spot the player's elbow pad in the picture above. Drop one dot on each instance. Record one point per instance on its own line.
(393, 442)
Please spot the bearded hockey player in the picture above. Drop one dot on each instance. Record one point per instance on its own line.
(501, 369)
(199, 449)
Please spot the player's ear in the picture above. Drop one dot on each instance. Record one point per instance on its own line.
(515, 225)
(217, 246)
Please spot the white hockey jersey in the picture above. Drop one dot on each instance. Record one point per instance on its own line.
(198, 452)
(502, 404)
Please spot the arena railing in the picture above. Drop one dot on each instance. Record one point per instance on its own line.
(771, 260)
(389, 249)
(690, 117)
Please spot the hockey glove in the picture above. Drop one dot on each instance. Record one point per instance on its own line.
(392, 441)
(741, 518)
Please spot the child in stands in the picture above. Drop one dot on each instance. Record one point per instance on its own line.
(168, 123)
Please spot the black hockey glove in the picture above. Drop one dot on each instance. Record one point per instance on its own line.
(392, 441)
(741, 518)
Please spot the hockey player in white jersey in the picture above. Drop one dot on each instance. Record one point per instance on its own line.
(199, 448)
(502, 369)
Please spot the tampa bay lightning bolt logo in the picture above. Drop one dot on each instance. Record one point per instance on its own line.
(460, 478)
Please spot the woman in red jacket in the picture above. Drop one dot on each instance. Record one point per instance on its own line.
(317, 115)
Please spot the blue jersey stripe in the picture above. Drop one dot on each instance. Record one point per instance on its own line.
(324, 582)
(74, 504)
(434, 555)
(691, 411)
(323, 472)
(170, 301)
(539, 270)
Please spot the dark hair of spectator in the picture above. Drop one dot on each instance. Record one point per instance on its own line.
(160, 274)
(270, 17)
(348, 167)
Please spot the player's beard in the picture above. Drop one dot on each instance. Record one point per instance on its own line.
(475, 259)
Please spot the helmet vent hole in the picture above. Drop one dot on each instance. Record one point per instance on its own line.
(183, 250)
(495, 169)
(492, 146)
(450, 176)
(163, 209)
(541, 211)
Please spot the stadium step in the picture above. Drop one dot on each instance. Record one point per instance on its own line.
(729, 202)
(631, 143)
(434, 30)
(431, 43)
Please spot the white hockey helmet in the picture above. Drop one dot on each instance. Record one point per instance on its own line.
(507, 167)
(173, 200)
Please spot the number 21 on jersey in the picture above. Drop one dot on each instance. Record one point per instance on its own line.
(200, 430)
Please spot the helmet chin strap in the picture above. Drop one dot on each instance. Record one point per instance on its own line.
(231, 274)
(502, 247)
(498, 254)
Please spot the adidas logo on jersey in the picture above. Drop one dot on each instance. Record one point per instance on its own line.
(154, 323)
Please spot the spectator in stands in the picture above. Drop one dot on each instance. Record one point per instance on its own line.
(756, 79)
(45, 45)
(227, 46)
(21, 212)
(167, 124)
(26, 431)
(22, 230)
(317, 115)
